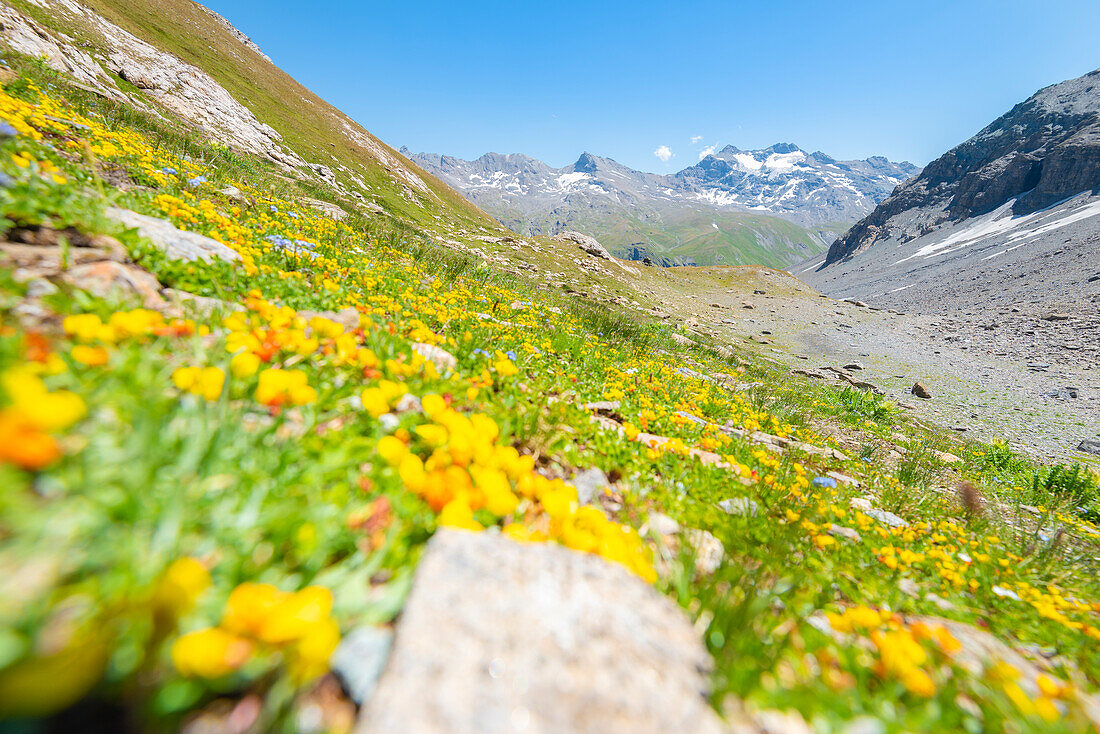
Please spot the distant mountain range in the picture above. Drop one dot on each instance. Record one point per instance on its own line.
(1011, 216)
(773, 206)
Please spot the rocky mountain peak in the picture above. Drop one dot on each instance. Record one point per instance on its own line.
(1042, 151)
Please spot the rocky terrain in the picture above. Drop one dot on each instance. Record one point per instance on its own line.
(767, 206)
(1042, 152)
(294, 438)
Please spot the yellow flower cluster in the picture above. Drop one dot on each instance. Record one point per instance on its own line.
(468, 474)
(259, 618)
(206, 382)
(32, 415)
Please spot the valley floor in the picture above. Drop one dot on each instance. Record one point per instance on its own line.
(1039, 395)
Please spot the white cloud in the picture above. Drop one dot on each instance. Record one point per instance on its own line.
(696, 139)
(664, 153)
(709, 150)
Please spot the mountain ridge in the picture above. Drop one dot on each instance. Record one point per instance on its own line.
(1042, 151)
(751, 201)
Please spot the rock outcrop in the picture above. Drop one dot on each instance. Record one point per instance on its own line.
(1041, 152)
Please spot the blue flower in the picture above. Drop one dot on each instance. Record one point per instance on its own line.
(168, 171)
(824, 482)
(192, 182)
(292, 215)
(479, 351)
(511, 355)
(274, 209)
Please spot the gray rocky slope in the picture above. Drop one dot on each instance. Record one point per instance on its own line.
(733, 195)
(1043, 151)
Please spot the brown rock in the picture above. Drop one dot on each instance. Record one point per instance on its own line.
(921, 391)
(106, 278)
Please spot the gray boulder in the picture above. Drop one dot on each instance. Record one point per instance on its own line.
(499, 636)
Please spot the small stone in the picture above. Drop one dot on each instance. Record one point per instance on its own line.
(854, 366)
(921, 391)
(660, 524)
(443, 360)
(708, 550)
(1089, 447)
(886, 518)
(590, 483)
(1057, 317)
(946, 457)
(602, 407)
(360, 659)
(843, 478)
(847, 533)
(408, 403)
(108, 277)
(739, 506)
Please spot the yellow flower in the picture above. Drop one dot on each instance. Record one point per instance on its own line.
(180, 585)
(458, 514)
(392, 450)
(279, 387)
(91, 356)
(206, 382)
(244, 364)
(210, 653)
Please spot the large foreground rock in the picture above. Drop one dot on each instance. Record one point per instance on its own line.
(499, 636)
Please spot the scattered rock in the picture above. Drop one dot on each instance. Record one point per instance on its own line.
(1062, 393)
(603, 407)
(660, 524)
(1057, 317)
(202, 305)
(590, 483)
(1089, 446)
(682, 340)
(842, 532)
(108, 278)
(589, 244)
(861, 304)
(708, 550)
(946, 457)
(854, 366)
(175, 243)
(443, 360)
(843, 478)
(740, 506)
(346, 317)
(359, 660)
(921, 391)
(327, 208)
(498, 636)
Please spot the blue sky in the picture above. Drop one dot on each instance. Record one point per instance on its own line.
(907, 80)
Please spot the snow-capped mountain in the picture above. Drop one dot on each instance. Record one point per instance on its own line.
(772, 206)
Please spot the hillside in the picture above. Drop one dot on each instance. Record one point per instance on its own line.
(768, 207)
(278, 458)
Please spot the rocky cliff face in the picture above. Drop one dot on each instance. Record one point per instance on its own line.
(1041, 152)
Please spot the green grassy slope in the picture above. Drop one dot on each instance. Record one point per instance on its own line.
(310, 126)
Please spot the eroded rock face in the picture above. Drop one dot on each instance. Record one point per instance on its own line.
(499, 636)
(180, 87)
(1042, 151)
(28, 37)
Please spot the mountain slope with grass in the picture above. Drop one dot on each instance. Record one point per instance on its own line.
(261, 457)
